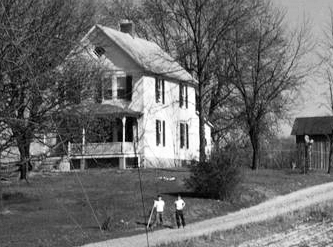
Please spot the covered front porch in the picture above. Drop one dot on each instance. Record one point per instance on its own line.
(107, 132)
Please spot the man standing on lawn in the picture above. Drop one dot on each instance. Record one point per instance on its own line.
(159, 205)
(180, 204)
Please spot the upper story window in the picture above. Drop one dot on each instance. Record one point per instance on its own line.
(99, 91)
(107, 89)
(159, 90)
(183, 96)
(117, 88)
(99, 51)
(124, 87)
(129, 87)
(160, 133)
(184, 136)
(121, 88)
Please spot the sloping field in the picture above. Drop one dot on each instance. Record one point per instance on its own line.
(66, 209)
(264, 211)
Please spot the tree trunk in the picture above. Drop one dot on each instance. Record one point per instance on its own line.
(23, 143)
(254, 137)
(202, 138)
(1, 202)
(330, 157)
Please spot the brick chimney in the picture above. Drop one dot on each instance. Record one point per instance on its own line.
(127, 26)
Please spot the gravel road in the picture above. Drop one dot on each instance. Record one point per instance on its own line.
(264, 211)
(318, 234)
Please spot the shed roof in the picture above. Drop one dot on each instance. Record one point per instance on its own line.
(148, 55)
(313, 126)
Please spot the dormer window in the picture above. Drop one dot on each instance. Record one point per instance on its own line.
(99, 51)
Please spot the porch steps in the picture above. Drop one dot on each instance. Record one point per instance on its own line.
(48, 164)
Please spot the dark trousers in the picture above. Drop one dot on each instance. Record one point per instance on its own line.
(180, 218)
(159, 216)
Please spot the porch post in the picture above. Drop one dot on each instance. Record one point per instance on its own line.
(122, 160)
(124, 129)
(83, 160)
(135, 132)
(44, 144)
(69, 149)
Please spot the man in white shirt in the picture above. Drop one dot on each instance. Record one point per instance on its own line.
(180, 204)
(159, 205)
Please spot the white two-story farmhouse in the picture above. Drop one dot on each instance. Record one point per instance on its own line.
(147, 100)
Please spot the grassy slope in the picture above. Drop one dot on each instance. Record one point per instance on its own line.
(53, 211)
(254, 231)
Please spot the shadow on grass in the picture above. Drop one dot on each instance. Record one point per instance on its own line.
(17, 197)
(142, 223)
(189, 194)
(153, 226)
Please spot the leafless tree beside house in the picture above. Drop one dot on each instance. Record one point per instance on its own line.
(326, 57)
(36, 36)
(268, 66)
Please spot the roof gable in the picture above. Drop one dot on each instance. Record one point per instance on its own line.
(313, 126)
(148, 55)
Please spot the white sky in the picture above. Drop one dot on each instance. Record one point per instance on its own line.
(313, 101)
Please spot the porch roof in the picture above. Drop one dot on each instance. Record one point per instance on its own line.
(103, 110)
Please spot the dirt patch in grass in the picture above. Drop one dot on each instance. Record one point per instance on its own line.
(67, 209)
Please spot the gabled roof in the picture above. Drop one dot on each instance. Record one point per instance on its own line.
(313, 126)
(148, 55)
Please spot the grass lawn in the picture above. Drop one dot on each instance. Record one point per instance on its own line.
(65, 209)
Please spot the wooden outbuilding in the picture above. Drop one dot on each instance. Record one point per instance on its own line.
(319, 129)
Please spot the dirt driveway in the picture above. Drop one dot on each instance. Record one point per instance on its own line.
(264, 211)
(307, 234)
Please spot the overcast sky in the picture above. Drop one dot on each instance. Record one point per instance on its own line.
(314, 101)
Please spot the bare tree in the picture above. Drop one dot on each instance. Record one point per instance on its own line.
(326, 57)
(35, 38)
(268, 67)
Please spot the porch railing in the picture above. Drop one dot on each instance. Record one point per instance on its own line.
(109, 148)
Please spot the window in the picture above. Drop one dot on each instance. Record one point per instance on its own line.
(107, 90)
(124, 87)
(184, 140)
(160, 133)
(159, 90)
(99, 92)
(99, 51)
(183, 96)
(121, 87)
(129, 87)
